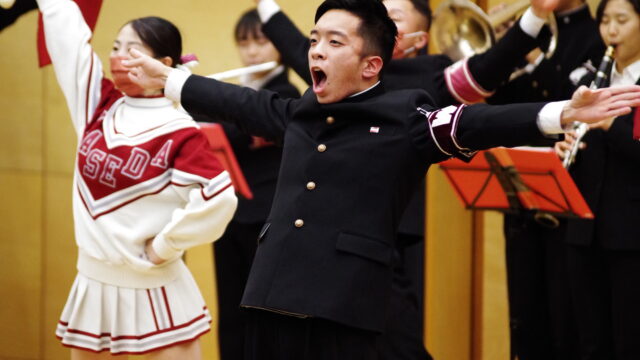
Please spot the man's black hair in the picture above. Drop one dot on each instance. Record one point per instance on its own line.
(422, 6)
(376, 28)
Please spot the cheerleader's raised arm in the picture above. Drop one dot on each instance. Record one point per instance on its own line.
(77, 68)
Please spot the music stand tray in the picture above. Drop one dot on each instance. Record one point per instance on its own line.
(224, 153)
(517, 180)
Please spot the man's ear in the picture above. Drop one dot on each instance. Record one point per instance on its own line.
(167, 61)
(422, 40)
(372, 67)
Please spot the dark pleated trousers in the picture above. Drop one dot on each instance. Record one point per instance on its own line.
(272, 336)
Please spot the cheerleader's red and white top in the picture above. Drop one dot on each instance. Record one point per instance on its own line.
(143, 169)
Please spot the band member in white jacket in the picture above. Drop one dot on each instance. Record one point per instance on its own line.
(146, 187)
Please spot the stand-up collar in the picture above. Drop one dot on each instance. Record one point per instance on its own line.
(579, 14)
(374, 90)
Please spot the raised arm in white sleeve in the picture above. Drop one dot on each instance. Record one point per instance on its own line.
(77, 68)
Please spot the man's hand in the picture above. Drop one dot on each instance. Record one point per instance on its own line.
(592, 106)
(543, 8)
(146, 71)
(151, 254)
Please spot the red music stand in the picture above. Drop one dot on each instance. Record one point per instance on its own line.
(223, 151)
(516, 180)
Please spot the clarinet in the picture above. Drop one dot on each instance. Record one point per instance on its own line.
(581, 128)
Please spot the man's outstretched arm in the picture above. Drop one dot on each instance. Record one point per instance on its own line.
(260, 113)
(459, 131)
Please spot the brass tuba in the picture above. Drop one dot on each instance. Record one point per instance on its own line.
(6, 4)
(461, 29)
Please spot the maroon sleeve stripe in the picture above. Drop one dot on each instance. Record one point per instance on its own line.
(461, 84)
(443, 125)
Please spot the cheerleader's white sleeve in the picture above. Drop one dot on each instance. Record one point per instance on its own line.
(210, 201)
(77, 68)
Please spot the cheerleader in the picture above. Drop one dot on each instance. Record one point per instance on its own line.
(146, 187)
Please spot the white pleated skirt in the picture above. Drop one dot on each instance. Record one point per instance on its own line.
(99, 317)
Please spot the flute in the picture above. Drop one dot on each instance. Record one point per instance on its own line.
(230, 74)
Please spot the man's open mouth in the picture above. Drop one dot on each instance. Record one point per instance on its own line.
(319, 79)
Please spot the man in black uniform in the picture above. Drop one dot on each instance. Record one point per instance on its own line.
(541, 322)
(321, 279)
(403, 337)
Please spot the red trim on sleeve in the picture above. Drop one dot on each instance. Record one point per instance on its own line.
(204, 196)
(461, 84)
